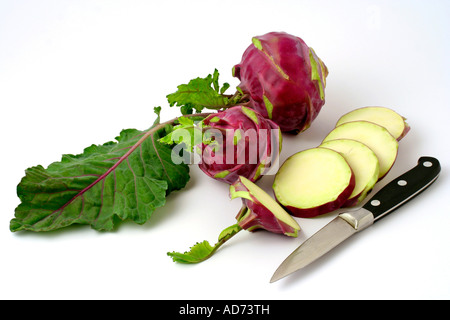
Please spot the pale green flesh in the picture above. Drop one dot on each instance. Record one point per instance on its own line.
(215, 119)
(315, 73)
(311, 178)
(222, 174)
(382, 116)
(269, 106)
(363, 162)
(376, 137)
(258, 45)
(270, 203)
(251, 114)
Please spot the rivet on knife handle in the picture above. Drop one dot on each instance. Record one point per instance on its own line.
(404, 188)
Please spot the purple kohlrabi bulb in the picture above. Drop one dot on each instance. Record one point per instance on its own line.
(284, 78)
(239, 142)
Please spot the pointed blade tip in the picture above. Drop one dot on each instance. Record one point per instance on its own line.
(326, 239)
(278, 275)
(274, 279)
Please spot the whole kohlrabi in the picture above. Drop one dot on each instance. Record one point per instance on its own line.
(284, 79)
(239, 142)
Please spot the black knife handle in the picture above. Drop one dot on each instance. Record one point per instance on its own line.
(404, 188)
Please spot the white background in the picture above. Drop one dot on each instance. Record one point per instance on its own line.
(75, 73)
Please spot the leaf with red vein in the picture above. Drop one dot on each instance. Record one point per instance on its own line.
(127, 179)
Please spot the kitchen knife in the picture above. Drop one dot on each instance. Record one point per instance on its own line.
(390, 197)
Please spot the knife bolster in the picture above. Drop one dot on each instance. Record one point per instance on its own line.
(359, 219)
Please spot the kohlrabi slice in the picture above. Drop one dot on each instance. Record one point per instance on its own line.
(364, 164)
(376, 137)
(313, 182)
(385, 117)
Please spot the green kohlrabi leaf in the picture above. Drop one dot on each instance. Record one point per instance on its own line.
(201, 93)
(203, 250)
(187, 131)
(198, 252)
(127, 179)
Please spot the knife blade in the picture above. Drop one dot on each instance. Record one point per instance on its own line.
(396, 193)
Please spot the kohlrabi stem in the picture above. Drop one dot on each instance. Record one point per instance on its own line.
(152, 131)
(224, 236)
(172, 121)
(237, 98)
(202, 251)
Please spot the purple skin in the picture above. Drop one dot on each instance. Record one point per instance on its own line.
(243, 162)
(256, 215)
(285, 80)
